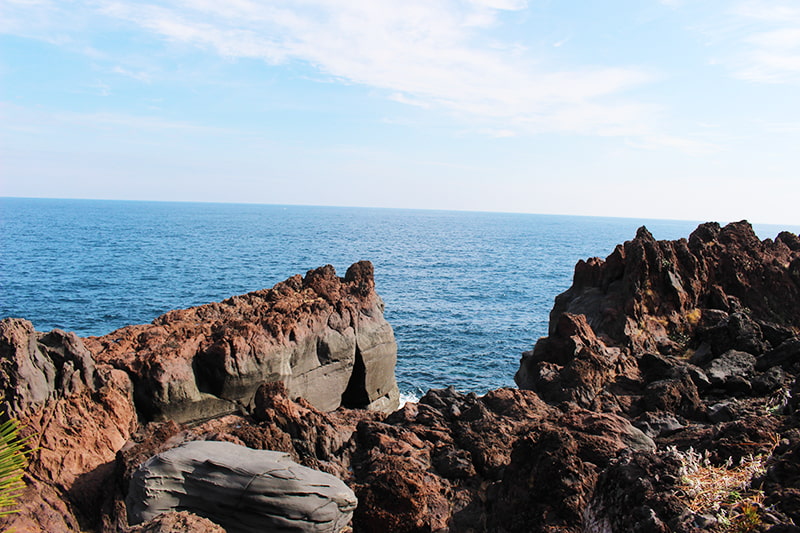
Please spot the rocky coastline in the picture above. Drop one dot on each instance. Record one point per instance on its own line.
(664, 399)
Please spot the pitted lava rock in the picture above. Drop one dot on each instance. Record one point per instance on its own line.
(661, 347)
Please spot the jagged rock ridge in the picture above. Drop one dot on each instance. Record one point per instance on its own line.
(662, 347)
(694, 300)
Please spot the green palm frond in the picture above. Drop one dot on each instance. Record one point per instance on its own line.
(13, 460)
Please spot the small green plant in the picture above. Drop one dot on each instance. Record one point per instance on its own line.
(734, 496)
(749, 518)
(679, 337)
(13, 460)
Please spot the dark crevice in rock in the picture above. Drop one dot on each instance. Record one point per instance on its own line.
(207, 374)
(196, 363)
(324, 355)
(355, 396)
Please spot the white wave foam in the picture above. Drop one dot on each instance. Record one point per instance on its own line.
(408, 397)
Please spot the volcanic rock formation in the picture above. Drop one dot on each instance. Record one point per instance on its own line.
(78, 414)
(696, 312)
(323, 336)
(666, 398)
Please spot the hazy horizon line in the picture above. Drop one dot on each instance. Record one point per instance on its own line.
(795, 228)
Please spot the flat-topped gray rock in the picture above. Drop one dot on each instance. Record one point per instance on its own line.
(241, 489)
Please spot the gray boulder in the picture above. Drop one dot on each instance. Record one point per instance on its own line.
(731, 368)
(241, 489)
(787, 354)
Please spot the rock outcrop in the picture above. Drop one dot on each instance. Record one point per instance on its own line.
(81, 400)
(650, 295)
(705, 309)
(242, 489)
(429, 465)
(323, 336)
(695, 342)
(177, 522)
(667, 364)
(77, 415)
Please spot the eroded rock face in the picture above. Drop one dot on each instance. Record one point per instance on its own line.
(637, 494)
(242, 489)
(39, 367)
(429, 465)
(573, 364)
(78, 415)
(649, 295)
(662, 347)
(659, 323)
(696, 343)
(323, 336)
(177, 522)
(326, 336)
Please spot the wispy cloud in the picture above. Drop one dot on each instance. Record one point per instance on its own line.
(438, 54)
(684, 144)
(136, 75)
(762, 38)
(18, 119)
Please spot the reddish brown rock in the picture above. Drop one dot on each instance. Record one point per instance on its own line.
(639, 341)
(77, 416)
(693, 340)
(428, 466)
(322, 335)
(177, 522)
(433, 463)
(629, 334)
(650, 294)
(41, 509)
(573, 364)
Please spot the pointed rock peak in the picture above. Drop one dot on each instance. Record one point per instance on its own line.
(324, 282)
(738, 232)
(789, 239)
(705, 233)
(363, 271)
(361, 277)
(325, 272)
(644, 234)
(571, 324)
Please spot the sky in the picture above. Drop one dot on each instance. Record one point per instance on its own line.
(676, 109)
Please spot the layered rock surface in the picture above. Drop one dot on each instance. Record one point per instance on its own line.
(242, 489)
(323, 336)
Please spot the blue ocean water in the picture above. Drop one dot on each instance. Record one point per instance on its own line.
(465, 292)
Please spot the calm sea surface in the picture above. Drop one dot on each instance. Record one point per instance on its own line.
(466, 293)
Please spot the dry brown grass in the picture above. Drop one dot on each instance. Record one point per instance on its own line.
(723, 491)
